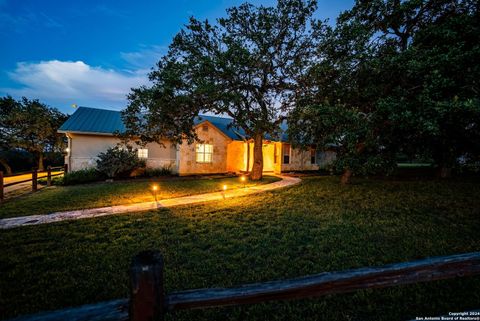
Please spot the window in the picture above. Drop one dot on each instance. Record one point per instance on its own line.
(275, 153)
(142, 153)
(286, 153)
(313, 153)
(204, 153)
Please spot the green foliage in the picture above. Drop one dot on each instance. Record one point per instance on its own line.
(315, 227)
(159, 171)
(83, 176)
(249, 65)
(56, 181)
(406, 76)
(118, 161)
(30, 125)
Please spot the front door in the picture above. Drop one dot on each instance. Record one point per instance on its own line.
(268, 152)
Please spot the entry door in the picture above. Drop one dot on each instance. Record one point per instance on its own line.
(268, 152)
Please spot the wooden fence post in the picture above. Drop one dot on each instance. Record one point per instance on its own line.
(34, 179)
(147, 296)
(1, 186)
(49, 176)
(65, 169)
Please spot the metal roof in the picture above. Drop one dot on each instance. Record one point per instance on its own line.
(93, 120)
(106, 122)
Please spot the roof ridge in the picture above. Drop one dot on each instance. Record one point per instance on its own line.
(95, 108)
(215, 116)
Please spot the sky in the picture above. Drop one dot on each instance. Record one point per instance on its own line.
(91, 53)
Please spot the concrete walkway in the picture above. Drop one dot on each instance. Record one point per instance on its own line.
(8, 223)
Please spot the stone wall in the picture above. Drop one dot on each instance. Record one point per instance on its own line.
(300, 160)
(209, 134)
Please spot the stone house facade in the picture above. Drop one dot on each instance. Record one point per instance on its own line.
(91, 131)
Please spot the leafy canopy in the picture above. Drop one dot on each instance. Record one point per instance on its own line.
(30, 125)
(250, 65)
(395, 76)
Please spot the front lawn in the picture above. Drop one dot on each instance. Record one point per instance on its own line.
(309, 228)
(64, 198)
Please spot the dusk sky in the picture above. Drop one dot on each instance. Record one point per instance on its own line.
(91, 53)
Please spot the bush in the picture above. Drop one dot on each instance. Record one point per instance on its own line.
(118, 162)
(83, 176)
(159, 171)
(56, 180)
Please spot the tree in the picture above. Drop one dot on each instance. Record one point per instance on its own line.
(7, 107)
(31, 126)
(439, 109)
(406, 74)
(250, 66)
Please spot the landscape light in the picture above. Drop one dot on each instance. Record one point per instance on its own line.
(155, 188)
(243, 179)
(223, 191)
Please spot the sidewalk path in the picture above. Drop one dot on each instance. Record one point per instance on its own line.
(12, 222)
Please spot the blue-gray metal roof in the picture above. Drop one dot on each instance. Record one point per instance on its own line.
(93, 120)
(103, 121)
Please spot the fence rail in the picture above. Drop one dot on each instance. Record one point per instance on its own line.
(148, 300)
(34, 179)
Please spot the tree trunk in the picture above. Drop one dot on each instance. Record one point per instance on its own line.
(40, 161)
(257, 169)
(347, 174)
(5, 165)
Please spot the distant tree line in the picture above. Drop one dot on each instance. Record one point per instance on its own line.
(390, 77)
(28, 132)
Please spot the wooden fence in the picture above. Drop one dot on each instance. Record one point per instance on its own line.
(34, 179)
(148, 300)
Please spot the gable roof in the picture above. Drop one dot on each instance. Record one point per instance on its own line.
(87, 120)
(94, 121)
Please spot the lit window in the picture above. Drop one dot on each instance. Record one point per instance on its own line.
(142, 153)
(286, 153)
(204, 153)
(313, 153)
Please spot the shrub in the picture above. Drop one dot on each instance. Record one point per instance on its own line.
(159, 171)
(56, 180)
(83, 176)
(118, 162)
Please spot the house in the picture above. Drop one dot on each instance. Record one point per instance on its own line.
(90, 131)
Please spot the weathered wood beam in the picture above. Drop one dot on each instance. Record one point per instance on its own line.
(424, 270)
(116, 310)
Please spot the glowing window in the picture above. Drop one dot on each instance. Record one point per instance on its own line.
(142, 153)
(204, 153)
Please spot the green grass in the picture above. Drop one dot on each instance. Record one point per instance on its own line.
(64, 198)
(309, 228)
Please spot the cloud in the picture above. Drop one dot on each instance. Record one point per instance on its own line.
(144, 58)
(67, 82)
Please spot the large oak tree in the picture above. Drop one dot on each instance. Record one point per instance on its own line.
(250, 65)
(395, 77)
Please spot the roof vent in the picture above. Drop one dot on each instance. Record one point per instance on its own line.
(205, 128)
